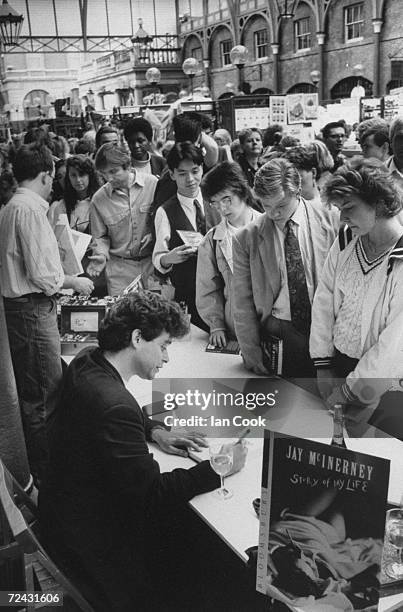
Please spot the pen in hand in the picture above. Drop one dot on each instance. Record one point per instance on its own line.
(243, 435)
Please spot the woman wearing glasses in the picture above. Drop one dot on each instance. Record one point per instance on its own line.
(225, 188)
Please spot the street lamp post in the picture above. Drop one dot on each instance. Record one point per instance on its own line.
(239, 56)
(142, 41)
(10, 25)
(285, 9)
(358, 91)
(315, 78)
(190, 67)
(153, 76)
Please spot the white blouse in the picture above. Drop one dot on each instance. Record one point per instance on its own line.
(356, 278)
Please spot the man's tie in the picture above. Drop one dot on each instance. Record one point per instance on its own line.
(300, 304)
(200, 220)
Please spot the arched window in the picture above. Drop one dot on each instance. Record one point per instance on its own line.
(36, 104)
(302, 88)
(343, 88)
(263, 90)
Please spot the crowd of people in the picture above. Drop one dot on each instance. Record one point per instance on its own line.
(259, 239)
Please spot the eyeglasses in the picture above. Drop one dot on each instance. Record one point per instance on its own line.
(225, 202)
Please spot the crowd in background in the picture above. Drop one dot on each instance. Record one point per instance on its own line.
(138, 198)
(260, 239)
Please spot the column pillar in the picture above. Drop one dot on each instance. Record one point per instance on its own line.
(377, 25)
(320, 36)
(206, 65)
(276, 76)
(12, 443)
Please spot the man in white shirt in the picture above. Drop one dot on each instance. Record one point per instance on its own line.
(184, 211)
(30, 275)
(373, 136)
(277, 263)
(120, 220)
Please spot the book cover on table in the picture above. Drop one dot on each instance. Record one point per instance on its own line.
(322, 522)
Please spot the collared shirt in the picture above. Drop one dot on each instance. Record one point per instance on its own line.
(281, 306)
(397, 175)
(120, 219)
(163, 227)
(29, 255)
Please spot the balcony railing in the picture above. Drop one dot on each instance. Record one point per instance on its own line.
(161, 50)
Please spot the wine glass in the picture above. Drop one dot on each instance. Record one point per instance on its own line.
(221, 460)
(394, 539)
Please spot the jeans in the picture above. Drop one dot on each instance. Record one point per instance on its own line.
(35, 351)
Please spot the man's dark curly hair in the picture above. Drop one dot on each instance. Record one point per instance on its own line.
(146, 311)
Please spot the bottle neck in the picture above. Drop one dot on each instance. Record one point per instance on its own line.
(338, 431)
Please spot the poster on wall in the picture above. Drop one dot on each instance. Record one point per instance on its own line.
(296, 108)
(311, 103)
(370, 108)
(278, 109)
(391, 106)
(257, 116)
(305, 134)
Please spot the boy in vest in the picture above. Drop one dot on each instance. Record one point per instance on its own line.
(184, 212)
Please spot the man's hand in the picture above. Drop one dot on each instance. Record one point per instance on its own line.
(145, 241)
(260, 370)
(83, 285)
(178, 255)
(326, 380)
(169, 441)
(96, 265)
(218, 338)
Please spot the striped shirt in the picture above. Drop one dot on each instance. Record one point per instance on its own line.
(29, 255)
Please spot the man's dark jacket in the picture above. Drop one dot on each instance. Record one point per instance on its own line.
(104, 488)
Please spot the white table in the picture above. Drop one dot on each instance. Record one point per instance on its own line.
(188, 359)
(297, 413)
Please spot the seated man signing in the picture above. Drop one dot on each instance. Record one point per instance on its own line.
(105, 496)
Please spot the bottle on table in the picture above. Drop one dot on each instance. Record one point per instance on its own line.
(338, 427)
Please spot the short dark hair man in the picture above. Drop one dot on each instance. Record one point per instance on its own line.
(105, 491)
(187, 127)
(334, 136)
(184, 211)
(105, 134)
(30, 275)
(139, 134)
(373, 136)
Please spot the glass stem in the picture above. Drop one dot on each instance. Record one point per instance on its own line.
(222, 483)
